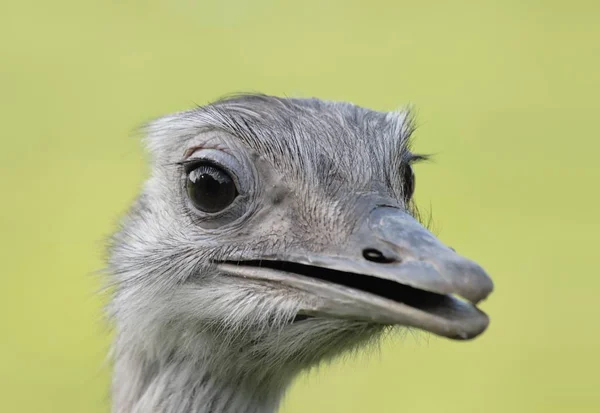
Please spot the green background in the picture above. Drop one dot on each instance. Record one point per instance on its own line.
(507, 98)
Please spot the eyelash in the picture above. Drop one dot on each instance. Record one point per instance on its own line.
(190, 164)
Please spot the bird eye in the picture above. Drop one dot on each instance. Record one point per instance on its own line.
(210, 188)
(408, 183)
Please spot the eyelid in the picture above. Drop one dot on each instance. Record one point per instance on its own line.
(192, 150)
(220, 159)
(190, 164)
(218, 156)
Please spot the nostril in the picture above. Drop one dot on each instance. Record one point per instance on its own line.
(374, 255)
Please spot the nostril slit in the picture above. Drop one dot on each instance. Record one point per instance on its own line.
(374, 255)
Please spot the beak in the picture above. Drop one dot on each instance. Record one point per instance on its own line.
(391, 271)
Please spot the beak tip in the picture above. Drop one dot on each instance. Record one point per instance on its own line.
(475, 284)
(473, 330)
(483, 290)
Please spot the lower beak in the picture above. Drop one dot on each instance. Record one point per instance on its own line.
(391, 271)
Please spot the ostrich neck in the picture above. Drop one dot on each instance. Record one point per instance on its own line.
(145, 385)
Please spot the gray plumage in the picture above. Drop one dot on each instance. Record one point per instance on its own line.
(193, 333)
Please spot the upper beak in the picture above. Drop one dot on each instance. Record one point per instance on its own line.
(392, 271)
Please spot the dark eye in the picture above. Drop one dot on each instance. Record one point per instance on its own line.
(408, 182)
(210, 188)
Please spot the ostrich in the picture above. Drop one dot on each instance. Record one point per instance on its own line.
(272, 234)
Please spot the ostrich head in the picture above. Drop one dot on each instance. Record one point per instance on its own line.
(272, 234)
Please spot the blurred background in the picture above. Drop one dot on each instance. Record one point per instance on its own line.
(506, 96)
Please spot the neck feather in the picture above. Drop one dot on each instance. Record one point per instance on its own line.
(144, 384)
